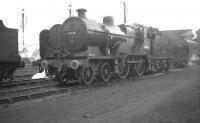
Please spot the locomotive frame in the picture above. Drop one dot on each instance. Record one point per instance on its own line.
(88, 68)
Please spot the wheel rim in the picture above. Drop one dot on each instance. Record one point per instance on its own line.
(124, 69)
(87, 75)
(105, 72)
(139, 69)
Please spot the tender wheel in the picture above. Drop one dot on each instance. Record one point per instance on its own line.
(165, 68)
(11, 74)
(124, 69)
(139, 68)
(157, 67)
(105, 72)
(87, 75)
(11, 77)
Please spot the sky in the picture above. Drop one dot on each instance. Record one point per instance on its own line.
(43, 14)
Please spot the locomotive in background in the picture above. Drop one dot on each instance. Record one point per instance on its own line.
(184, 46)
(10, 60)
(82, 49)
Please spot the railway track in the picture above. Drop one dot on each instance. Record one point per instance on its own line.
(28, 89)
(21, 82)
(25, 72)
(11, 92)
(31, 89)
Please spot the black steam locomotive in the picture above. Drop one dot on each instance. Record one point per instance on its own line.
(82, 49)
(184, 43)
(10, 60)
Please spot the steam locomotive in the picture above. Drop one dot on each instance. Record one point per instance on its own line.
(10, 60)
(82, 49)
(184, 46)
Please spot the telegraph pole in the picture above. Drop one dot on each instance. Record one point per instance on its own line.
(22, 26)
(124, 5)
(70, 10)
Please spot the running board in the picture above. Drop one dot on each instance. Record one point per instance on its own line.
(135, 62)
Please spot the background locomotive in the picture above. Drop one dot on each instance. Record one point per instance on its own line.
(83, 49)
(183, 45)
(10, 60)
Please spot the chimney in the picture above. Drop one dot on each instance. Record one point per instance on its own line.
(81, 13)
(108, 20)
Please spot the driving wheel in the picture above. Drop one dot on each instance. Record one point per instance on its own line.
(87, 75)
(105, 72)
(124, 69)
(139, 68)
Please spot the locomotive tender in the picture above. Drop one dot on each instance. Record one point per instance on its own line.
(10, 60)
(82, 49)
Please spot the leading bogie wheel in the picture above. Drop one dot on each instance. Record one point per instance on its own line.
(61, 77)
(87, 75)
(105, 72)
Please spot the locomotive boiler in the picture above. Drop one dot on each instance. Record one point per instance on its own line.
(82, 49)
(10, 60)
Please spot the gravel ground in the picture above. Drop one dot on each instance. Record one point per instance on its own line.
(173, 97)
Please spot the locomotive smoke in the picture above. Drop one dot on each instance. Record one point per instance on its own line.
(194, 32)
(194, 58)
(31, 52)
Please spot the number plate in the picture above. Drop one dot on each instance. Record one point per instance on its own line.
(71, 33)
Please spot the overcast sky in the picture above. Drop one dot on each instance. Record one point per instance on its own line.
(43, 14)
